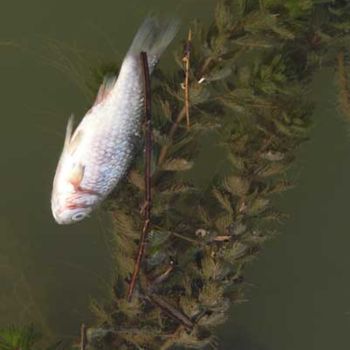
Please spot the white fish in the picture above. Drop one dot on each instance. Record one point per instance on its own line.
(96, 156)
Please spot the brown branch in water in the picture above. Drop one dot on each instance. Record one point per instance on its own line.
(184, 112)
(83, 338)
(146, 210)
(186, 61)
(188, 239)
(205, 66)
(173, 129)
(171, 310)
(162, 277)
(343, 82)
(150, 292)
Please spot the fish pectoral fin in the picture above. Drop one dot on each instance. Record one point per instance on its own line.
(105, 88)
(76, 175)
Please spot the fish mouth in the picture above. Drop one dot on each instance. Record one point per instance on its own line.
(55, 210)
(57, 215)
(59, 220)
(70, 217)
(72, 209)
(70, 213)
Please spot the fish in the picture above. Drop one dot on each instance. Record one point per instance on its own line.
(98, 153)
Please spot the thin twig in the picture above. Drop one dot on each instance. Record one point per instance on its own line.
(182, 114)
(186, 61)
(171, 310)
(205, 66)
(83, 340)
(223, 238)
(164, 150)
(149, 288)
(188, 239)
(148, 176)
(162, 277)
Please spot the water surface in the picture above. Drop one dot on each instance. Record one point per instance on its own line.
(299, 297)
(49, 273)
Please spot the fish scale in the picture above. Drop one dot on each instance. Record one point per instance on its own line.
(97, 155)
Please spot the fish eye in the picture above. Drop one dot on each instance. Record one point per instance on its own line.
(79, 216)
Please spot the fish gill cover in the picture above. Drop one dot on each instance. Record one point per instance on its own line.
(245, 80)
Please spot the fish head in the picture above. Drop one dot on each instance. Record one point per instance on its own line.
(70, 201)
(72, 206)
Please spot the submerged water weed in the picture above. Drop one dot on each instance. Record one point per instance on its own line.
(24, 338)
(12, 338)
(248, 83)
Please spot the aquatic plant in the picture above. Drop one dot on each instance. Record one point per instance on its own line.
(13, 338)
(23, 338)
(248, 77)
(243, 81)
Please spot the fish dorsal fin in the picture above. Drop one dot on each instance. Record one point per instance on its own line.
(69, 131)
(75, 141)
(71, 140)
(105, 89)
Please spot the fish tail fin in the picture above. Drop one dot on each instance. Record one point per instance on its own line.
(153, 37)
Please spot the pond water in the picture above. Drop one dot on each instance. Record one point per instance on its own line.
(49, 274)
(300, 284)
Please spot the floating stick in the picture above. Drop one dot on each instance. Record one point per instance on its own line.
(171, 311)
(83, 340)
(186, 60)
(146, 209)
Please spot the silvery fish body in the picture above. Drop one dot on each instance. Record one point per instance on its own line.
(97, 154)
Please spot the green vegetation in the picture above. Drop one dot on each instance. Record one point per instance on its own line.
(249, 77)
(249, 80)
(22, 338)
(13, 338)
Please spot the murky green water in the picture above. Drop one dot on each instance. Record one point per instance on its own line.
(49, 273)
(300, 285)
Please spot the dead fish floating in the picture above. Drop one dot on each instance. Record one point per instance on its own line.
(98, 153)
